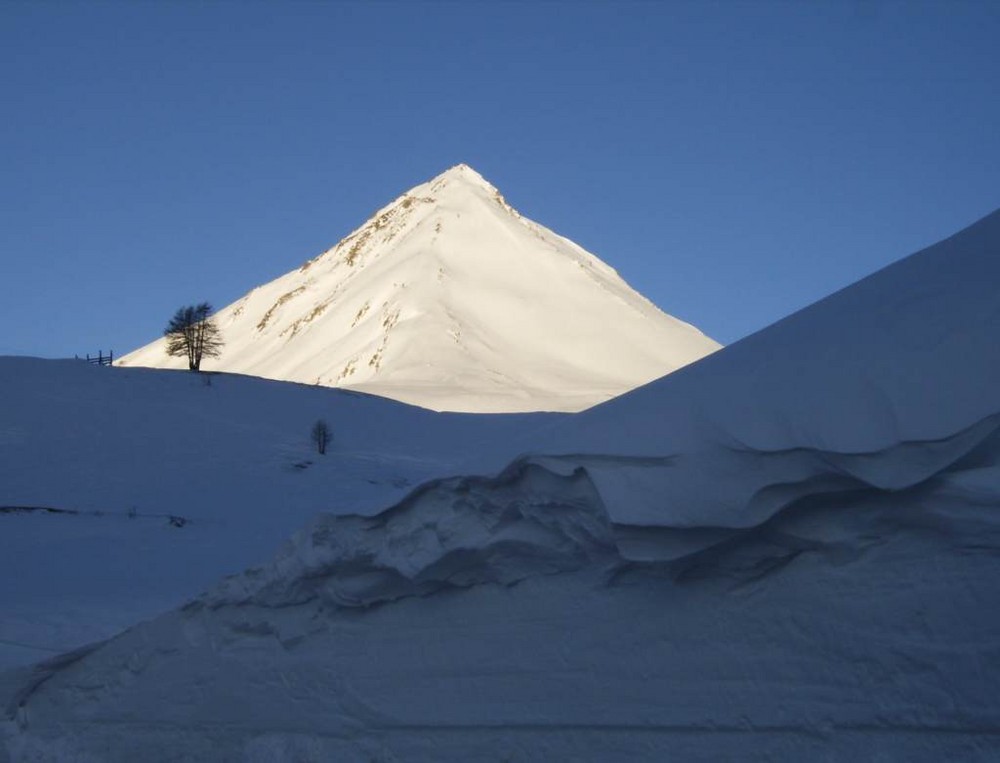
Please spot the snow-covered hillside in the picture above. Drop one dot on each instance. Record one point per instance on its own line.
(116, 453)
(449, 299)
(788, 551)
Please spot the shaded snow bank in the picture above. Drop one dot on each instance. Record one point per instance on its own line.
(544, 515)
(851, 625)
(449, 533)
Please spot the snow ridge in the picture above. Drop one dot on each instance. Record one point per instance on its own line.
(448, 533)
(545, 514)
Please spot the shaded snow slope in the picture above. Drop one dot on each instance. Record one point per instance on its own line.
(510, 628)
(449, 299)
(118, 452)
(786, 551)
(882, 385)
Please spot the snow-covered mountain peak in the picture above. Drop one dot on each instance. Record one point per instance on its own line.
(459, 188)
(449, 298)
(463, 173)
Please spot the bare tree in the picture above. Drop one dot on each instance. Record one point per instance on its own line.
(321, 436)
(192, 332)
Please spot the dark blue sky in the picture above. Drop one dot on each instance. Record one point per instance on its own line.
(734, 161)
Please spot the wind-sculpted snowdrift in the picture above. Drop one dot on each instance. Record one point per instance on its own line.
(546, 515)
(511, 619)
(786, 551)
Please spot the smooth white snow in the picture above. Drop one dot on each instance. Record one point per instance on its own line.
(449, 299)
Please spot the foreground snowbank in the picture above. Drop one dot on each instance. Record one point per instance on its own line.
(545, 515)
(850, 626)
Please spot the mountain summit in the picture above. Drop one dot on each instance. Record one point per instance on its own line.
(449, 299)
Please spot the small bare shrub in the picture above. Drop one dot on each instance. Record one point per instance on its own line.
(321, 436)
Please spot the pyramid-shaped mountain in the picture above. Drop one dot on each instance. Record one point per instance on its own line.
(449, 299)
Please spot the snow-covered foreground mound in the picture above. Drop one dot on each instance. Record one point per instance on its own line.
(125, 492)
(449, 299)
(786, 551)
(846, 630)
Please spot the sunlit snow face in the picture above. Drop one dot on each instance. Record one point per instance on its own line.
(449, 299)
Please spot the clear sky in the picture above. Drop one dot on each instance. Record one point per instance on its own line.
(734, 161)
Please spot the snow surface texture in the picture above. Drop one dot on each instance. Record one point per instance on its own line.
(786, 551)
(449, 299)
(860, 630)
